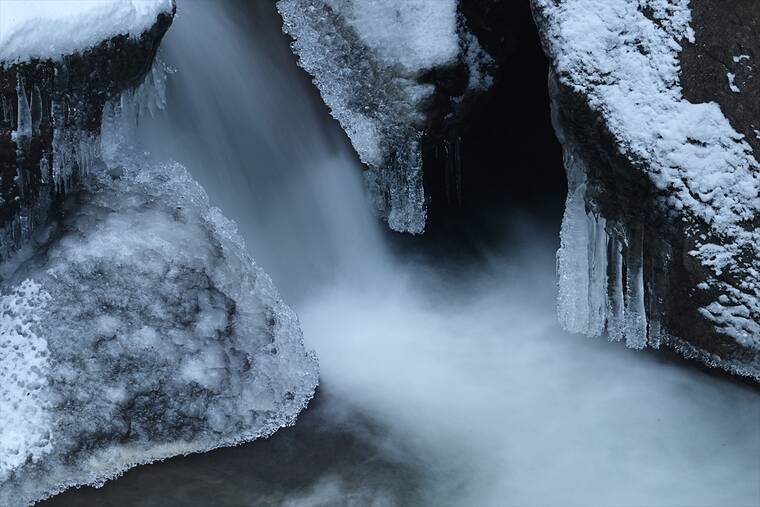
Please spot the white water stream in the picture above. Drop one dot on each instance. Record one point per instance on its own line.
(461, 365)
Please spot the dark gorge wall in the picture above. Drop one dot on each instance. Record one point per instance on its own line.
(503, 156)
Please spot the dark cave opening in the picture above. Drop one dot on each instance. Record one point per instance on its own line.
(511, 160)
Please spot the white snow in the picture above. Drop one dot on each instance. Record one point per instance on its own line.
(53, 28)
(25, 429)
(627, 67)
(417, 34)
(732, 82)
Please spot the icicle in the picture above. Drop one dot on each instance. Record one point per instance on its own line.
(24, 128)
(36, 109)
(453, 171)
(447, 170)
(615, 302)
(635, 313)
(573, 264)
(44, 169)
(74, 152)
(458, 169)
(7, 110)
(121, 116)
(597, 286)
(653, 309)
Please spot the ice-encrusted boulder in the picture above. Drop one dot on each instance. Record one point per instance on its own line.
(398, 75)
(60, 62)
(133, 325)
(656, 104)
(137, 328)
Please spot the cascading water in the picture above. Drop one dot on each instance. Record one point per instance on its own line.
(284, 174)
(443, 383)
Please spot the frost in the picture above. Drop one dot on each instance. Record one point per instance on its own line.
(25, 429)
(368, 58)
(147, 330)
(49, 29)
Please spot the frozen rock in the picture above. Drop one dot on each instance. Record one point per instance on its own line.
(51, 29)
(60, 62)
(660, 239)
(133, 324)
(391, 72)
(137, 328)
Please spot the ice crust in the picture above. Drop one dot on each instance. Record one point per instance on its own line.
(49, 29)
(368, 58)
(138, 328)
(622, 56)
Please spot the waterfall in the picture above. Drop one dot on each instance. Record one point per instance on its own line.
(468, 391)
(271, 158)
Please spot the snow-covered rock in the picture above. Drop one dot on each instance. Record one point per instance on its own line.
(137, 328)
(51, 29)
(660, 239)
(392, 72)
(60, 61)
(133, 325)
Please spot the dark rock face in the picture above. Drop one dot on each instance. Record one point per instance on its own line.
(50, 121)
(648, 282)
(723, 64)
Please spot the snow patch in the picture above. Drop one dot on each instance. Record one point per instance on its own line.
(732, 82)
(49, 29)
(416, 34)
(26, 422)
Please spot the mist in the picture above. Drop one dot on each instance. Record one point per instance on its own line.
(445, 378)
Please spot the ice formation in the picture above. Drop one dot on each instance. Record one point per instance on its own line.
(596, 295)
(136, 328)
(369, 59)
(50, 29)
(622, 57)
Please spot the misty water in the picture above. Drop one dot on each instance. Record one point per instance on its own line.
(445, 378)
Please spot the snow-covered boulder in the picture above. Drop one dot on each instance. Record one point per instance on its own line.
(656, 105)
(397, 75)
(60, 61)
(137, 328)
(133, 325)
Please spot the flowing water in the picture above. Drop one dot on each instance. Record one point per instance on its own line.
(445, 378)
